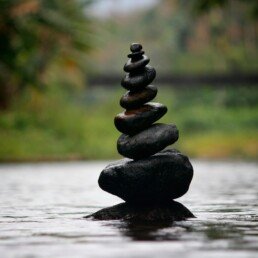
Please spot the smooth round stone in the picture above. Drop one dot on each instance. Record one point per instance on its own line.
(157, 179)
(133, 121)
(135, 47)
(131, 66)
(169, 212)
(148, 142)
(137, 81)
(132, 100)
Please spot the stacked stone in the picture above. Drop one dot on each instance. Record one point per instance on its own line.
(141, 139)
(147, 174)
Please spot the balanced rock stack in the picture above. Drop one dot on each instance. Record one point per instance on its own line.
(148, 175)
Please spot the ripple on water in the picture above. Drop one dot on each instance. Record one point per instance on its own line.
(42, 208)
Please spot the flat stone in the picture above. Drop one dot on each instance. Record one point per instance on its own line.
(132, 100)
(136, 55)
(133, 121)
(156, 179)
(137, 81)
(131, 66)
(148, 142)
(172, 211)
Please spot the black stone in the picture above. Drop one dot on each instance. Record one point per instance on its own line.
(132, 100)
(135, 47)
(132, 121)
(172, 211)
(137, 81)
(131, 66)
(148, 142)
(156, 179)
(136, 55)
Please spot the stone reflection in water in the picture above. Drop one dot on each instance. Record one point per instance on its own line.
(215, 232)
(142, 231)
(145, 223)
(152, 230)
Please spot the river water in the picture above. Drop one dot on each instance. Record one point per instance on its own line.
(42, 208)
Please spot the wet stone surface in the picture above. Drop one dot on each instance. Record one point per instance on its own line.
(136, 55)
(131, 66)
(139, 80)
(132, 100)
(147, 142)
(132, 121)
(156, 179)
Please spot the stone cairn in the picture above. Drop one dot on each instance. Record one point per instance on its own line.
(148, 176)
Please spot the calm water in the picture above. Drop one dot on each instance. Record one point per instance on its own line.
(42, 205)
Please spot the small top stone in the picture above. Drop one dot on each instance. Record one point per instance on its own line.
(136, 47)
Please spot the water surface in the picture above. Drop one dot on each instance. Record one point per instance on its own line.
(42, 208)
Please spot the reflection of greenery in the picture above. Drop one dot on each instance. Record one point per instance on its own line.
(216, 232)
(35, 34)
(212, 124)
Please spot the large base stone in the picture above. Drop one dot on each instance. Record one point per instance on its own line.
(173, 211)
(156, 179)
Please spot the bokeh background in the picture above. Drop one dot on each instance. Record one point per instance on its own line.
(61, 63)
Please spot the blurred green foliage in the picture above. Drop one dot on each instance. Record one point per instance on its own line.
(44, 59)
(212, 123)
(34, 36)
(179, 39)
(206, 5)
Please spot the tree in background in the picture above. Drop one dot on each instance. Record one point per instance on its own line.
(34, 35)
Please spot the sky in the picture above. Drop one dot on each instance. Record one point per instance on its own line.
(108, 7)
